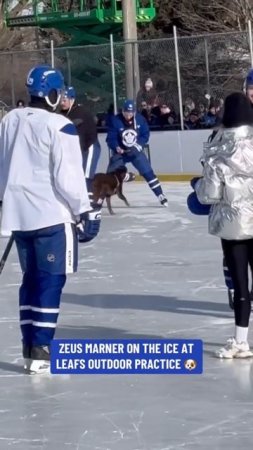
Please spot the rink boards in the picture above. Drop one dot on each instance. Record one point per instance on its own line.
(174, 154)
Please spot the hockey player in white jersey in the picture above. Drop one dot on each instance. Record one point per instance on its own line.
(43, 190)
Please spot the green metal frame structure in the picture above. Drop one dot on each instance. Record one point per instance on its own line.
(87, 21)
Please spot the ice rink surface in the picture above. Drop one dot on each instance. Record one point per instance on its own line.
(152, 273)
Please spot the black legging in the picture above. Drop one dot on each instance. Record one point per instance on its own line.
(239, 255)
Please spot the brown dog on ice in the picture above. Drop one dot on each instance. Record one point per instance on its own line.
(104, 185)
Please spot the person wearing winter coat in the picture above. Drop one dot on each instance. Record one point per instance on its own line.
(227, 185)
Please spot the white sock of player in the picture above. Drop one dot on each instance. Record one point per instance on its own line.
(241, 334)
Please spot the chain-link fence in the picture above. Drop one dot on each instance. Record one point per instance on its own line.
(14, 69)
(207, 64)
(213, 64)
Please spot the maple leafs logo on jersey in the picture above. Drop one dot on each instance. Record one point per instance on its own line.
(129, 138)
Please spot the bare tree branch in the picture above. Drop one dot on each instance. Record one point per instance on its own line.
(195, 16)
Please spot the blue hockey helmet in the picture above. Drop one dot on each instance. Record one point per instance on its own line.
(249, 78)
(42, 80)
(70, 93)
(129, 106)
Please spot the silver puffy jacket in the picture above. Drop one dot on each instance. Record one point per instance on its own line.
(227, 183)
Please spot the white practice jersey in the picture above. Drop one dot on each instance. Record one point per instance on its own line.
(41, 176)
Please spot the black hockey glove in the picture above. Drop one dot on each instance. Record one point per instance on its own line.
(89, 224)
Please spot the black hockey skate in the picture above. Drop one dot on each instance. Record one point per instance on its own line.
(163, 200)
(26, 351)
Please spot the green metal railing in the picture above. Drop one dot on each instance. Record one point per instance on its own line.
(87, 21)
(64, 11)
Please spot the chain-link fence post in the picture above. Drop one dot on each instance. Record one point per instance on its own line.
(136, 69)
(207, 66)
(52, 52)
(13, 99)
(178, 79)
(68, 67)
(113, 76)
(250, 43)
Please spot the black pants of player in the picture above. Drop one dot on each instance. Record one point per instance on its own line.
(239, 256)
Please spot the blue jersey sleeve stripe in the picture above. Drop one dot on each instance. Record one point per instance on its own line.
(69, 129)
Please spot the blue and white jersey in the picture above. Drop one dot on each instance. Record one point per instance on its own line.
(125, 134)
(41, 176)
(129, 137)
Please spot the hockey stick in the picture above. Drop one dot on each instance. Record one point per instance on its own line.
(146, 150)
(6, 253)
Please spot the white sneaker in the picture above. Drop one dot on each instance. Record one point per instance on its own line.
(234, 350)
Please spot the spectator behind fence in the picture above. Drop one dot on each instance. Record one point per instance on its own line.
(193, 122)
(146, 94)
(167, 115)
(146, 112)
(20, 104)
(211, 118)
(163, 115)
(189, 104)
(202, 111)
(186, 113)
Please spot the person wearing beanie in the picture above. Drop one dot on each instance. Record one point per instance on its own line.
(227, 185)
(196, 208)
(148, 84)
(20, 103)
(146, 94)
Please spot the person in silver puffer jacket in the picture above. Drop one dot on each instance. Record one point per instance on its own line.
(227, 184)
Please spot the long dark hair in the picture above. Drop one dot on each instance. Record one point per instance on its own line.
(237, 111)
